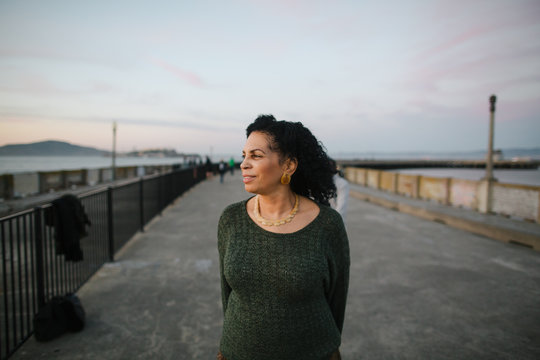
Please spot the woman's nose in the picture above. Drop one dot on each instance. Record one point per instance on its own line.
(244, 164)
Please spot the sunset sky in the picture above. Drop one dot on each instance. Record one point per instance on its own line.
(364, 76)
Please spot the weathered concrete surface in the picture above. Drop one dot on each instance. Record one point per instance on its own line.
(419, 290)
(424, 290)
(497, 227)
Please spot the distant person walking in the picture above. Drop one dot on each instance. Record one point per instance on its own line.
(222, 167)
(209, 167)
(283, 253)
(231, 165)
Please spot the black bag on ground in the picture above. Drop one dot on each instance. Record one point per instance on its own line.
(74, 311)
(51, 321)
(60, 314)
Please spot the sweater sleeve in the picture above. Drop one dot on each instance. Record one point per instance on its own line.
(225, 288)
(339, 263)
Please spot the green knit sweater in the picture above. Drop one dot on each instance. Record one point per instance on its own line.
(283, 295)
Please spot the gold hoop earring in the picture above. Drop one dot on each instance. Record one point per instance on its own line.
(285, 179)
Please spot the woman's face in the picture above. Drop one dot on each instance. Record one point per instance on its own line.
(261, 168)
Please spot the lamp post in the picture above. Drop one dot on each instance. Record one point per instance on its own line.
(489, 160)
(488, 180)
(114, 152)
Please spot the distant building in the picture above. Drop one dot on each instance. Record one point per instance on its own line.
(497, 155)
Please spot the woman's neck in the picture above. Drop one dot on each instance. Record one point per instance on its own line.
(276, 205)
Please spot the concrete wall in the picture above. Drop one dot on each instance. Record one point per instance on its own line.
(433, 188)
(26, 184)
(93, 177)
(50, 181)
(6, 186)
(388, 181)
(126, 172)
(361, 176)
(408, 185)
(373, 177)
(74, 178)
(516, 200)
(508, 199)
(464, 193)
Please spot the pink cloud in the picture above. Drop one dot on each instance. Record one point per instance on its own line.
(426, 78)
(187, 76)
(493, 22)
(453, 42)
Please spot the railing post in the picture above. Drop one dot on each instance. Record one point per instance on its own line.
(110, 222)
(160, 194)
(141, 204)
(40, 276)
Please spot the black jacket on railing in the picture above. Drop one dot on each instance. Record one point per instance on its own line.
(69, 220)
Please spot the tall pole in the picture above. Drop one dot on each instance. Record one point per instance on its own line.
(489, 160)
(114, 151)
(489, 179)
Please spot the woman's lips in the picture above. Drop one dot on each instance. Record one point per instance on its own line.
(247, 178)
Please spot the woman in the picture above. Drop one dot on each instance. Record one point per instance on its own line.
(284, 253)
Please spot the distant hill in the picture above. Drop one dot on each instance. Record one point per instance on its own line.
(49, 148)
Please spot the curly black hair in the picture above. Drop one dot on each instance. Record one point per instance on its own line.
(314, 174)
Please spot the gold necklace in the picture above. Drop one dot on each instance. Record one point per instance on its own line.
(279, 222)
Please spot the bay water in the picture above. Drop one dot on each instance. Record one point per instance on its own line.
(21, 164)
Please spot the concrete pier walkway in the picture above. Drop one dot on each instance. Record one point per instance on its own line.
(419, 289)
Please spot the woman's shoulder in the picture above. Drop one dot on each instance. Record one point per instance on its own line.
(328, 212)
(334, 228)
(233, 207)
(330, 217)
(233, 211)
(324, 213)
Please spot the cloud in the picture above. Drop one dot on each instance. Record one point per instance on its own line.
(187, 76)
(454, 42)
(10, 114)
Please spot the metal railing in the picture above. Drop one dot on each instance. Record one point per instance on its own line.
(31, 270)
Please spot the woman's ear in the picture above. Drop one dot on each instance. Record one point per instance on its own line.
(291, 165)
